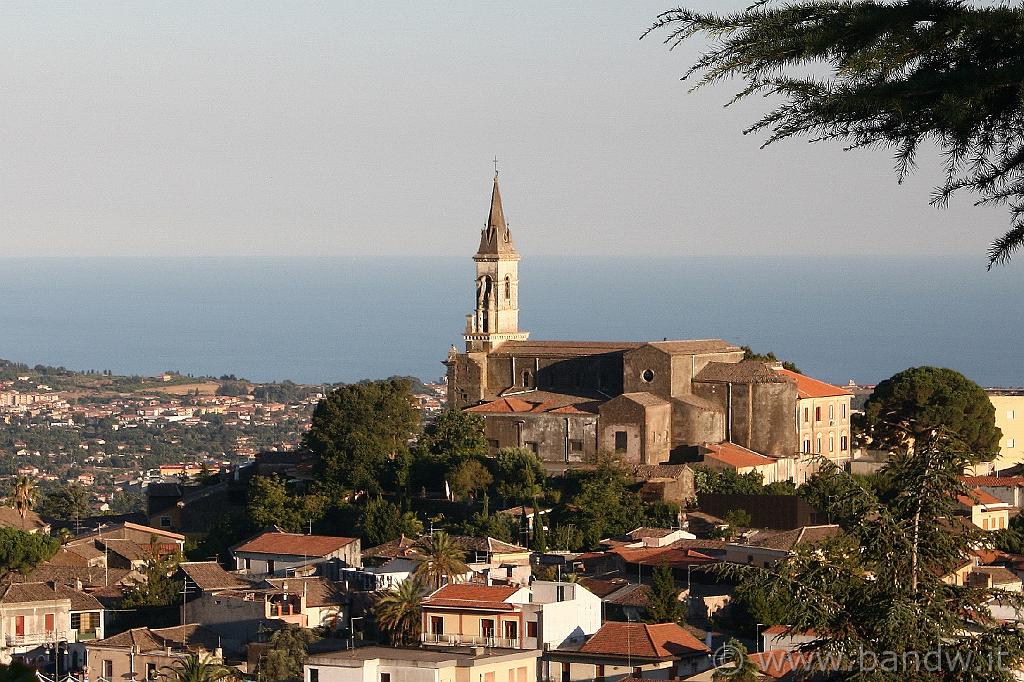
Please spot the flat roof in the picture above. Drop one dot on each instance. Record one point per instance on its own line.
(450, 655)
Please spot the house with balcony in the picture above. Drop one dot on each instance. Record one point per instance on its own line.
(509, 616)
(36, 617)
(275, 553)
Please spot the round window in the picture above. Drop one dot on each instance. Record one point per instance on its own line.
(647, 375)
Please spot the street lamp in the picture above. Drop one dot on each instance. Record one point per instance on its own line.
(757, 637)
(352, 629)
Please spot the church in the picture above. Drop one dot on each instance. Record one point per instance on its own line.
(648, 401)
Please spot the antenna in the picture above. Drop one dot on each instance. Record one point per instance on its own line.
(495, 166)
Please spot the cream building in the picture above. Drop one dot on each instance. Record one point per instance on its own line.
(823, 416)
(392, 664)
(1010, 420)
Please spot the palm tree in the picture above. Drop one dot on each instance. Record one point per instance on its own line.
(398, 611)
(442, 560)
(196, 668)
(23, 496)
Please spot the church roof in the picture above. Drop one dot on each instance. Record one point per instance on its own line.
(688, 346)
(563, 349)
(746, 372)
(536, 402)
(495, 238)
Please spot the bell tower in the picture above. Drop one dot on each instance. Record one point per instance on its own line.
(496, 316)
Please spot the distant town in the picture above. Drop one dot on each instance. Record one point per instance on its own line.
(115, 435)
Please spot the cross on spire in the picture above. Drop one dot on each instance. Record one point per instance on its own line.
(495, 166)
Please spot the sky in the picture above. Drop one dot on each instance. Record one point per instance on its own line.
(355, 128)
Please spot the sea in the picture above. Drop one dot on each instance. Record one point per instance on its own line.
(327, 320)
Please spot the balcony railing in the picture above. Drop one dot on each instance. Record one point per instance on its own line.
(38, 638)
(469, 640)
(86, 635)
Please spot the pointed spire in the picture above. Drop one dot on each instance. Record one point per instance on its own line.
(495, 239)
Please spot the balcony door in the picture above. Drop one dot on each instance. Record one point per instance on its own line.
(48, 620)
(437, 625)
(487, 628)
(19, 626)
(511, 629)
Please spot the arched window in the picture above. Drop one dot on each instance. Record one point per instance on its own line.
(508, 287)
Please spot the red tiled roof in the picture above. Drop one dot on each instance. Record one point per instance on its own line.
(976, 497)
(806, 387)
(994, 481)
(642, 640)
(655, 556)
(736, 455)
(490, 597)
(294, 544)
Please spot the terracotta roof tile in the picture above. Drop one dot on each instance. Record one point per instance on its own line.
(790, 539)
(642, 640)
(994, 481)
(978, 497)
(736, 455)
(807, 387)
(209, 575)
(469, 596)
(294, 544)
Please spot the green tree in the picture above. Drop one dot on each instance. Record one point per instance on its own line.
(738, 518)
(468, 477)
(66, 503)
(749, 354)
(17, 671)
(195, 668)
(663, 605)
(21, 551)
(398, 611)
(519, 474)
(123, 502)
(383, 521)
(727, 482)
(911, 404)
(455, 434)
(443, 560)
(540, 536)
(897, 74)
(284, 658)
(740, 667)
(158, 587)
(357, 429)
(270, 504)
(882, 585)
(606, 504)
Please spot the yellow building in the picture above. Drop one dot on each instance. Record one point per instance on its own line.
(823, 416)
(1010, 420)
